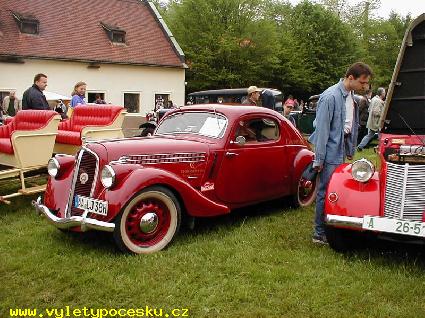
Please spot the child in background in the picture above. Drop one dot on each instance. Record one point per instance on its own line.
(79, 94)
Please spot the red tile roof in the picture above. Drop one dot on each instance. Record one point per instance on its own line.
(72, 30)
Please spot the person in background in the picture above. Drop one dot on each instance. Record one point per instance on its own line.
(268, 100)
(99, 99)
(290, 101)
(301, 105)
(33, 97)
(296, 104)
(287, 108)
(11, 104)
(78, 95)
(375, 111)
(253, 96)
(170, 105)
(335, 135)
(364, 102)
(61, 109)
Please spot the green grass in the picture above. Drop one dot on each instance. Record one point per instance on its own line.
(257, 262)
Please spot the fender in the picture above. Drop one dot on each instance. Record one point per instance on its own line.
(195, 203)
(354, 198)
(303, 158)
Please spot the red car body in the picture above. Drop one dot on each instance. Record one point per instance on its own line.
(391, 203)
(179, 175)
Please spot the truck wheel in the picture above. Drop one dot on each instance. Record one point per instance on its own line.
(340, 240)
(148, 222)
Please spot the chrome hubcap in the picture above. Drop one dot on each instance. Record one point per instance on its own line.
(149, 222)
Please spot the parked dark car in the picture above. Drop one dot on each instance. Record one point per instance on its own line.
(237, 96)
(306, 117)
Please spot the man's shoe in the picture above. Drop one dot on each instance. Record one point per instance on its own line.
(320, 239)
(359, 149)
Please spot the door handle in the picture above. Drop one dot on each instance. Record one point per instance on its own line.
(231, 154)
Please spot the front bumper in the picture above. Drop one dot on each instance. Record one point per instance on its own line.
(346, 221)
(378, 224)
(82, 222)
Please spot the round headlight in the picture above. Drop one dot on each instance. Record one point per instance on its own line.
(53, 167)
(107, 177)
(362, 170)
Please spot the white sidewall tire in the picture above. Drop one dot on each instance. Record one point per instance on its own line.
(174, 209)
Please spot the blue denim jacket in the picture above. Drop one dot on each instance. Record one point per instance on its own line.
(331, 146)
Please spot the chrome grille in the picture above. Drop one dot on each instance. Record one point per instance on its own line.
(164, 158)
(87, 163)
(404, 192)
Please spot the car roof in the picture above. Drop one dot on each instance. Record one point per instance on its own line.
(230, 91)
(231, 110)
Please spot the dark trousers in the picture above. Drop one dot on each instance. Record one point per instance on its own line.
(362, 132)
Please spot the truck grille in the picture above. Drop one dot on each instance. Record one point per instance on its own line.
(404, 192)
(87, 165)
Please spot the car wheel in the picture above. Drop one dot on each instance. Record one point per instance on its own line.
(306, 192)
(147, 132)
(148, 222)
(340, 240)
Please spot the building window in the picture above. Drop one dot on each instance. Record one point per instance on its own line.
(161, 100)
(115, 34)
(132, 102)
(92, 97)
(3, 94)
(118, 36)
(26, 24)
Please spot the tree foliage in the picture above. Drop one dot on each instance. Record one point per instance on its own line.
(300, 49)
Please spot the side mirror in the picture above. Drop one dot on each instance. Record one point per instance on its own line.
(240, 141)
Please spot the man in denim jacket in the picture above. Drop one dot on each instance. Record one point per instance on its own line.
(335, 136)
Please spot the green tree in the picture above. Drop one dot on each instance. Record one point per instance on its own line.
(228, 43)
(383, 44)
(321, 48)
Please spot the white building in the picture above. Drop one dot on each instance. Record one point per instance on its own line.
(122, 49)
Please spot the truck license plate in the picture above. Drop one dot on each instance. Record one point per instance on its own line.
(415, 228)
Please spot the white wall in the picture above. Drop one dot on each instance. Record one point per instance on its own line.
(114, 80)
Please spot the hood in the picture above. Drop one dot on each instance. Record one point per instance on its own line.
(150, 145)
(405, 103)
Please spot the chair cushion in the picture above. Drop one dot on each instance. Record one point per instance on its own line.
(99, 115)
(33, 119)
(69, 137)
(6, 146)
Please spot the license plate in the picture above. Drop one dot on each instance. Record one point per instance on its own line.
(397, 226)
(91, 205)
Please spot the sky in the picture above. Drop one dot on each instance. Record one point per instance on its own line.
(402, 7)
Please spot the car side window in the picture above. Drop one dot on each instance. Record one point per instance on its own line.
(258, 130)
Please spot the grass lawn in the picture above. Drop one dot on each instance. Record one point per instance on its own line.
(257, 262)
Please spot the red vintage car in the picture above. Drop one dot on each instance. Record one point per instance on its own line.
(389, 202)
(202, 161)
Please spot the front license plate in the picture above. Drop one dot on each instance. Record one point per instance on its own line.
(397, 226)
(91, 205)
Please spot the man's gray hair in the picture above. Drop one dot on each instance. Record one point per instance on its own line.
(380, 91)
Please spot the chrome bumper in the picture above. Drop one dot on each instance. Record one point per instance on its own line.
(349, 221)
(73, 221)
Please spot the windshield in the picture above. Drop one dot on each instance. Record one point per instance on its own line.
(196, 123)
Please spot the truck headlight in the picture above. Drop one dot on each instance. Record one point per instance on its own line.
(362, 170)
(53, 167)
(107, 176)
